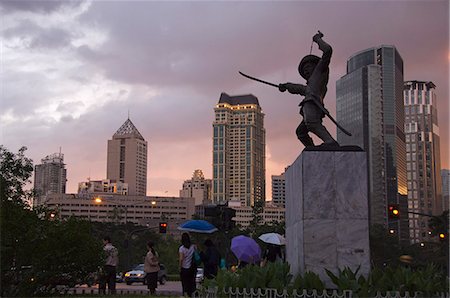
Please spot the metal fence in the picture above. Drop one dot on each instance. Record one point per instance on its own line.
(267, 293)
(274, 293)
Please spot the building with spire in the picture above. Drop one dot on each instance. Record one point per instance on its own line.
(127, 159)
(369, 103)
(197, 187)
(238, 151)
(50, 176)
(423, 162)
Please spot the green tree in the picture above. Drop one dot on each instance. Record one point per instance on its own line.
(15, 172)
(38, 254)
(384, 247)
(257, 211)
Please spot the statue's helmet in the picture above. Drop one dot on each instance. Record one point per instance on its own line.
(307, 59)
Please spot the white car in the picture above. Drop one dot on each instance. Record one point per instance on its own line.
(199, 277)
(138, 275)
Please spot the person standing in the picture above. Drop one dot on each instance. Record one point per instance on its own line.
(188, 269)
(111, 261)
(272, 254)
(210, 259)
(151, 268)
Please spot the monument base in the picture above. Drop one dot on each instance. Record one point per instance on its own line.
(327, 225)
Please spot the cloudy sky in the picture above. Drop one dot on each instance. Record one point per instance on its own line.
(72, 70)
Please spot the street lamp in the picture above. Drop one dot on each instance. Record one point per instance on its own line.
(99, 200)
(123, 206)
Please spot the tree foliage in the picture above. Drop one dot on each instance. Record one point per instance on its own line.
(38, 254)
(15, 172)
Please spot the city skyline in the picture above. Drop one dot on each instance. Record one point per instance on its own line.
(71, 80)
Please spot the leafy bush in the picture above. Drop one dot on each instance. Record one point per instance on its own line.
(273, 275)
(309, 281)
(428, 281)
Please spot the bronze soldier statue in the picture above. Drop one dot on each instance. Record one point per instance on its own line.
(315, 71)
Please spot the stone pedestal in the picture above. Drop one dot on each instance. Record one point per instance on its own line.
(327, 222)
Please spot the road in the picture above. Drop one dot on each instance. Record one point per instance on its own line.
(171, 288)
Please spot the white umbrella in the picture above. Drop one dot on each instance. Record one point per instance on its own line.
(273, 238)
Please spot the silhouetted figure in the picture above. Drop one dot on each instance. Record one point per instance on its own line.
(151, 268)
(109, 269)
(188, 269)
(316, 73)
(210, 259)
(273, 253)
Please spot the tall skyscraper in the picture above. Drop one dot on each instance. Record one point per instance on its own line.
(279, 190)
(445, 174)
(238, 150)
(51, 175)
(127, 159)
(369, 103)
(197, 187)
(423, 161)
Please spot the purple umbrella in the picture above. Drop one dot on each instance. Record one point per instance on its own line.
(246, 249)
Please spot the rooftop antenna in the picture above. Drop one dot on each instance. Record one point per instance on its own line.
(128, 114)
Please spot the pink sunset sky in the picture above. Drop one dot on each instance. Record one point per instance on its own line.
(71, 71)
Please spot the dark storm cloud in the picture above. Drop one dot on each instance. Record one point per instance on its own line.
(39, 6)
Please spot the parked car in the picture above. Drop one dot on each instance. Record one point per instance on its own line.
(138, 275)
(199, 277)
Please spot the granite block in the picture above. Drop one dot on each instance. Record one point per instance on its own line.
(319, 242)
(351, 191)
(318, 175)
(327, 213)
(353, 244)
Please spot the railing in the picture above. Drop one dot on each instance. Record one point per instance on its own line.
(274, 293)
(264, 293)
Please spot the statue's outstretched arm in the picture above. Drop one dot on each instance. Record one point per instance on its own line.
(293, 88)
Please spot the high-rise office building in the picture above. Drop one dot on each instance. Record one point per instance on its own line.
(423, 161)
(197, 187)
(127, 159)
(445, 174)
(51, 175)
(369, 103)
(238, 150)
(279, 190)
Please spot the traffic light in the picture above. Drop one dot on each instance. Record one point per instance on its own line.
(393, 211)
(162, 227)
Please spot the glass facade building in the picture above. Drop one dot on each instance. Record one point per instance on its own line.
(238, 151)
(422, 157)
(369, 103)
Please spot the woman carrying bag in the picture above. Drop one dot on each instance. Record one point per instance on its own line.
(188, 268)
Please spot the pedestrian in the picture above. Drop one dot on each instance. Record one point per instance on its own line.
(316, 72)
(210, 259)
(151, 268)
(241, 264)
(272, 254)
(109, 268)
(188, 268)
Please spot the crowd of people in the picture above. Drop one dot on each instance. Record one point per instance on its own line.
(190, 257)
